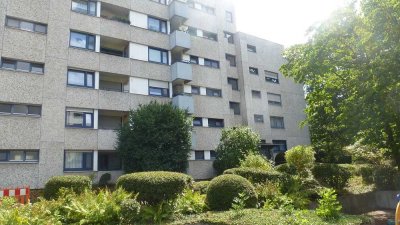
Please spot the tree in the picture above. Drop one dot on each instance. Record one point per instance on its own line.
(157, 137)
(235, 144)
(350, 67)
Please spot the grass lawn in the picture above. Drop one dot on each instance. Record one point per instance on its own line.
(265, 217)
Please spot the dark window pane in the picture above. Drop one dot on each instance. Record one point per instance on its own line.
(251, 48)
(153, 24)
(236, 107)
(3, 156)
(34, 110)
(256, 94)
(109, 161)
(215, 122)
(197, 122)
(13, 22)
(31, 156)
(253, 70)
(23, 66)
(234, 83)
(194, 59)
(16, 156)
(92, 8)
(213, 154)
(78, 40)
(91, 42)
(277, 122)
(5, 108)
(76, 78)
(259, 118)
(195, 90)
(88, 163)
(199, 155)
(37, 68)
(20, 109)
(8, 64)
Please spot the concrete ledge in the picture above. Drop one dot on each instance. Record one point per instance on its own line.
(362, 203)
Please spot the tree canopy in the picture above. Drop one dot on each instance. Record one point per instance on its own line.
(156, 137)
(351, 70)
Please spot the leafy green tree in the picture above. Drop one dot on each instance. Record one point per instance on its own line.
(235, 144)
(350, 67)
(156, 137)
(302, 158)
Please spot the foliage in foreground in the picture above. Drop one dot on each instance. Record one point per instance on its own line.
(302, 158)
(235, 144)
(77, 184)
(262, 217)
(328, 205)
(157, 137)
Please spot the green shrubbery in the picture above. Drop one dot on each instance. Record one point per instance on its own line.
(301, 157)
(201, 186)
(155, 187)
(256, 175)
(332, 175)
(286, 168)
(77, 184)
(328, 205)
(386, 178)
(256, 161)
(223, 189)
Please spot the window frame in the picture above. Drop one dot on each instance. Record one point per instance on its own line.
(258, 118)
(271, 102)
(274, 125)
(87, 40)
(108, 169)
(15, 63)
(87, 6)
(34, 24)
(280, 143)
(211, 63)
(160, 24)
(8, 151)
(196, 88)
(232, 106)
(162, 91)
(12, 105)
(230, 80)
(85, 75)
(199, 119)
(214, 125)
(253, 92)
(228, 16)
(202, 158)
(231, 59)
(82, 168)
(161, 55)
(251, 48)
(256, 72)
(269, 78)
(194, 59)
(83, 122)
(213, 90)
(213, 155)
(231, 39)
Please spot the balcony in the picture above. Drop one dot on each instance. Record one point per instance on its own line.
(184, 102)
(113, 12)
(111, 120)
(113, 82)
(178, 13)
(179, 41)
(181, 72)
(113, 46)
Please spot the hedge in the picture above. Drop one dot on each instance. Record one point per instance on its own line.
(155, 187)
(223, 189)
(331, 175)
(201, 186)
(76, 183)
(256, 175)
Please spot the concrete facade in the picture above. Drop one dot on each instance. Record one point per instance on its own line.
(121, 71)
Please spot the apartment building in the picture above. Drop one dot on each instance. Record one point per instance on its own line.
(72, 69)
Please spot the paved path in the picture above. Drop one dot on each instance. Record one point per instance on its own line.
(382, 216)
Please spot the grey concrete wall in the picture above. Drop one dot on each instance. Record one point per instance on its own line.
(362, 203)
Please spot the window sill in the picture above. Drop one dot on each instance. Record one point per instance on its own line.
(158, 32)
(18, 162)
(83, 49)
(20, 71)
(82, 87)
(85, 128)
(20, 115)
(35, 32)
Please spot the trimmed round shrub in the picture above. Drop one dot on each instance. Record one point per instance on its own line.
(256, 175)
(130, 209)
(223, 189)
(201, 186)
(155, 187)
(286, 168)
(77, 184)
(332, 175)
(301, 157)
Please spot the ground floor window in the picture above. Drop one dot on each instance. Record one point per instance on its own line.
(78, 160)
(109, 161)
(19, 155)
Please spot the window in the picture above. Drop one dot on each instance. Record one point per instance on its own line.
(231, 59)
(253, 70)
(251, 48)
(234, 83)
(80, 78)
(215, 123)
(192, 31)
(81, 119)
(158, 25)
(19, 109)
(110, 122)
(236, 107)
(274, 99)
(109, 161)
(157, 91)
(81, 40)
(85, 7)
(258, 118)
(256, 94)
(230, 37)
(164, 2)
(194, 59)
(213, 155)
(208, 9)
(271, 77)
(199, 6)
(19, 155)
(195, 90)
(211, 63)
(209, 35)
(229, 17)
(78, 161)
(213, 92)
(199, 155)
(280, 145)
(277, 122)
(158, 55)
(24, 66)
(197, 122)
(26, 25)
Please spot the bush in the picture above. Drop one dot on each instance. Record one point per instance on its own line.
(235, 144)
(130, 209)
(104, 179)
(328, 205)
(201, 186)
(256, 161)
(361, 153)
(155, 187)
(225, 188)
(77, 184)
(301, 157)
(332, 175)
(286, 168)
(190, 202)
(386, 178)
(256, 175)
